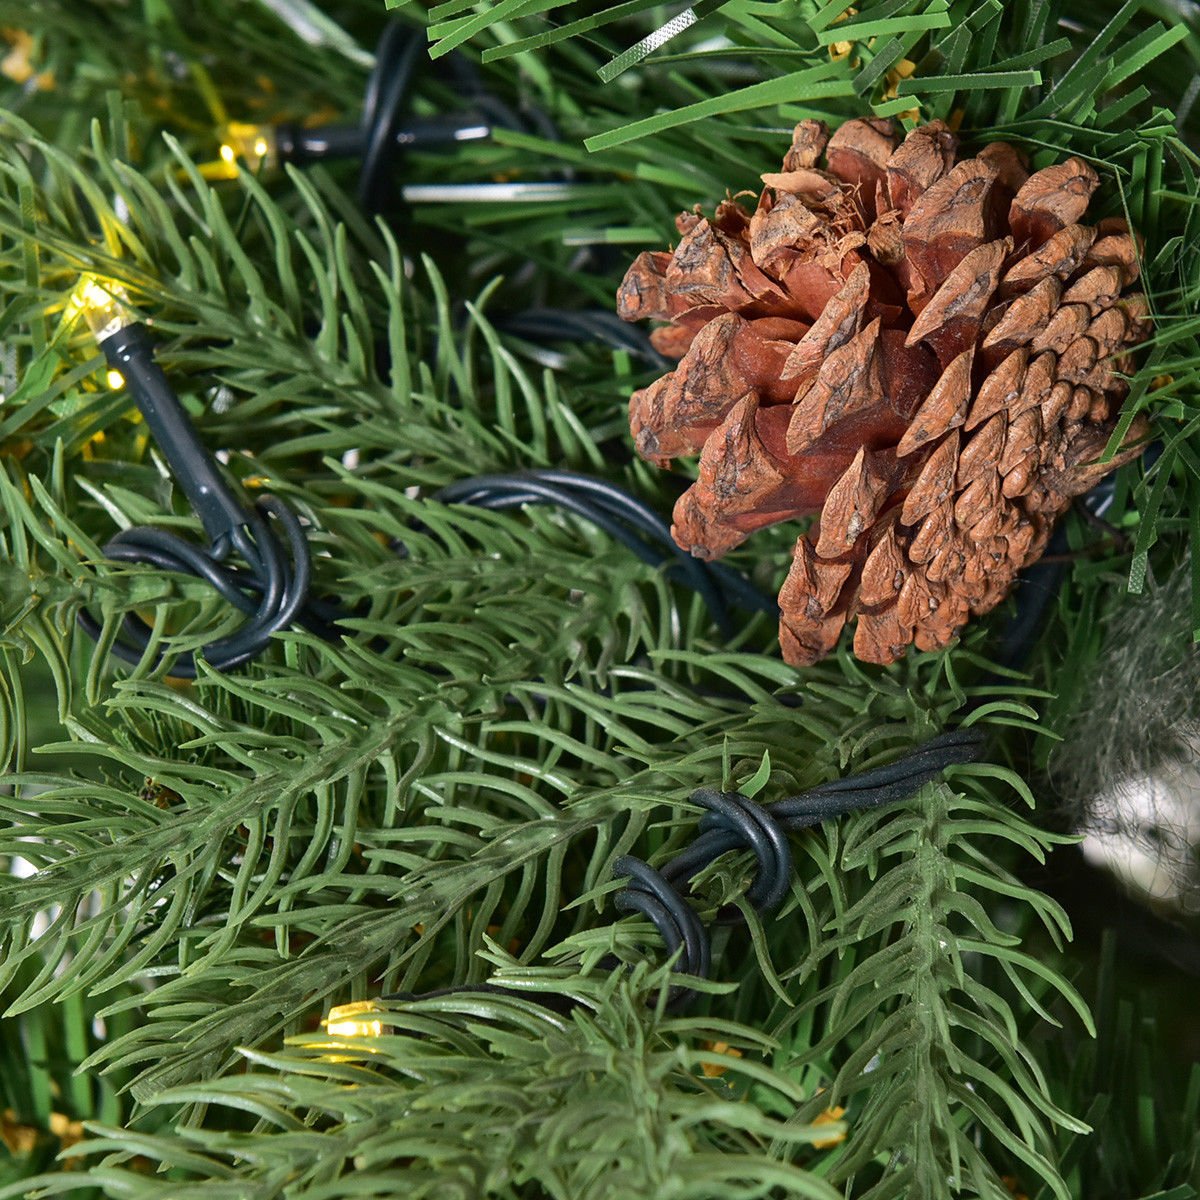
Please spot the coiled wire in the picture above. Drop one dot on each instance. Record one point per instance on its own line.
(272, 588)
(734, 821)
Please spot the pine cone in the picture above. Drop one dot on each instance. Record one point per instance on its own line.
(924, 352)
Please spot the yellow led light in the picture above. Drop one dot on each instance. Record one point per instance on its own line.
(344, 1020)
(114, 379)
(253, 144)
(100, 307)
(242, 145)
(92, 295)
(16, 63)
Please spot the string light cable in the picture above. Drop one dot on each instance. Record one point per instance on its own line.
(273, 589)
(734, 821)
(271, 583)
(387, 131)
(581, 325)
(627, 520)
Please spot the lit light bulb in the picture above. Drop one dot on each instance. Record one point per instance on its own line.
(114, 379)
(344, 1020)
(100, 307)
(254, 145)
(242, 145)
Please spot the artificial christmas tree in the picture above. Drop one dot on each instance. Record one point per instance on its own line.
(350, 917)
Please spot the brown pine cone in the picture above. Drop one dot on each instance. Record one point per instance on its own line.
(923, 352)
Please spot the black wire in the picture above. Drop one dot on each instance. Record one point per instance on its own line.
(743, 825)
(381, 138)
(396, 60)
(736, 822)
(626, 519)
(274, 594)
(271, 588)
(581, 325)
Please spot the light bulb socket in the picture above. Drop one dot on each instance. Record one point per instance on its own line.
(299, 144)
(130, 350)
(302, 144)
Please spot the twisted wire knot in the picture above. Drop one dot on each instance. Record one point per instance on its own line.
(650, 894)
(736, 815)
(733, 821)
(271, 589)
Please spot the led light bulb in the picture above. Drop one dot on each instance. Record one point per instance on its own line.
(344, 1020)
(254, 145)
(242, 145)
(101, 308)
(114, 379)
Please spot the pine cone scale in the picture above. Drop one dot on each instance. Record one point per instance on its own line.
(945, 408)
(950, 320)
(1051, 200)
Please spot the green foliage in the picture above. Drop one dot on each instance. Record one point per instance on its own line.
(978, 61)
(348, 818)
(192, 68)
(42, 1093)
(483, 1095)
(438, 797)
(925, 1026)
